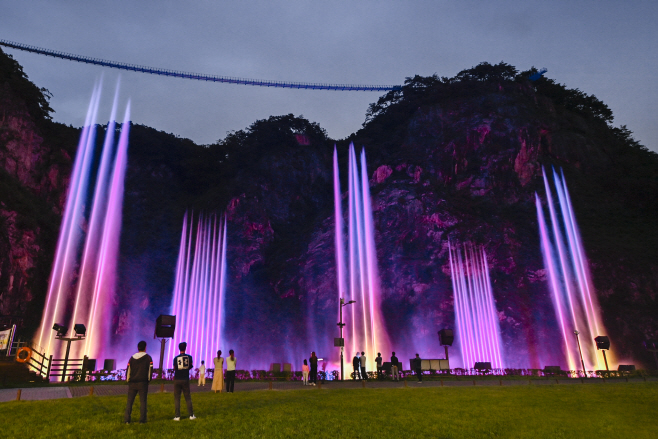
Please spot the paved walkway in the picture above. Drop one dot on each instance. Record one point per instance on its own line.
(56, 392)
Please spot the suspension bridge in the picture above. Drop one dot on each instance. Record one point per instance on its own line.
(195, 76)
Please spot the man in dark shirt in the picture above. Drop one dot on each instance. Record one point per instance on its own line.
(138, 375)
(418, 368)
(356, 364)
(395, 364)
(182, 366)
(313, 378)
(378, 361)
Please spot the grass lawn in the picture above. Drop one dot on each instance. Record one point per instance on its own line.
(613, 410)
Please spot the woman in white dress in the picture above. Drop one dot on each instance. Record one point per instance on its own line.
(218, 377)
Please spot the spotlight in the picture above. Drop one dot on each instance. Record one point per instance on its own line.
(80, 330)
(60, 329)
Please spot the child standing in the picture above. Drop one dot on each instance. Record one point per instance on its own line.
(202, 374)
(305, 370)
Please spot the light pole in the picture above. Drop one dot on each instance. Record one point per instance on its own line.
(342, 340)
(581, 352)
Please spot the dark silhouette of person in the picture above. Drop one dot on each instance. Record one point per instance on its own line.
(138, 375)
(182, 366)
(313, 378)
(418, 368)
(231, 362)
(395, 364)
(356, 364)
(364, 375)
(379, 361)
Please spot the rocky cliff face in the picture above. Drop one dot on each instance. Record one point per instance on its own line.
(450, 160)
(34, 173)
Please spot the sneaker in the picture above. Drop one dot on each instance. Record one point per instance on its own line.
(192, 418)
(177, 418)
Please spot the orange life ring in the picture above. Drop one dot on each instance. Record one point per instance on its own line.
(23, 355)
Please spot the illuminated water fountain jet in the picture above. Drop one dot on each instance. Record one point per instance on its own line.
(81, 287)
(476, 317)
(360, 282)
(198, 299)
(572, 291)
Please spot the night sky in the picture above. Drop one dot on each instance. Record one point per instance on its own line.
(605, 48)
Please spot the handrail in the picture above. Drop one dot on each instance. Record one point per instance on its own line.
(196, 76)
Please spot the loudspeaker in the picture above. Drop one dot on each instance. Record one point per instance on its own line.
(91, 365)
(275, 367)
(446, 337)
(339, 342)
(482, 365)
(165, 326)
(602, 342)
(287, 367)
(108, 365)
(626, 368)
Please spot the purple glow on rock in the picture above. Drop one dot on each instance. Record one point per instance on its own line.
(198, 299)
(569, 279)
(81, 286)
(365, 331)
(475, 310)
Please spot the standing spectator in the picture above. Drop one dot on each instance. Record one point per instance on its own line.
(314, 369)
(394, 367)
(202, 374)
(182, 366)
(230, 371)
(379, 360)
(418, 368)
(356, 363)
(364, 374)
(138, 375)
(218, 376)
(305, 372)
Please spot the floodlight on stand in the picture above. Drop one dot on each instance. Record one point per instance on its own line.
(60, 329)
(80, 330)
(603, 343)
